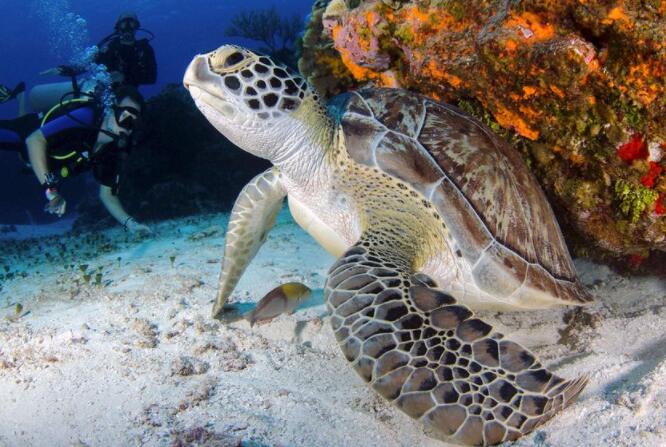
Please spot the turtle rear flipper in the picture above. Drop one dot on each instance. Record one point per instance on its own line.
(431, 357)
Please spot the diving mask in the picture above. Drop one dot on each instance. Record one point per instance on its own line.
(127, 25)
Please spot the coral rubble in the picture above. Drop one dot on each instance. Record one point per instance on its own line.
(578, 86)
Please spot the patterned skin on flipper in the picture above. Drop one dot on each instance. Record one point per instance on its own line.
(430, 357)
(252, 216)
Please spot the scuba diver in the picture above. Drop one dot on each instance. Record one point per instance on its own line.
(76, 135)
(129, 61)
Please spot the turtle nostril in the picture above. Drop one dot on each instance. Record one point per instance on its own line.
(201, 66)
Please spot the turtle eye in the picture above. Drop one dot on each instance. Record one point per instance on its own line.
(233, 59)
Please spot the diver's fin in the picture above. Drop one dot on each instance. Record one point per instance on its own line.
(7, 95)
(282, 299)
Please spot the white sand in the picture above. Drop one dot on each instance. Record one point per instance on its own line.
(138, 361)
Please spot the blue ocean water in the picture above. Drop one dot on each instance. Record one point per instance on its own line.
(39, 34)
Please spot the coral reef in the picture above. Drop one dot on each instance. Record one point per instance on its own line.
(577, 86)
(320, 62)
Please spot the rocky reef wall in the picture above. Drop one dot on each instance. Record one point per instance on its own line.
(578, 86)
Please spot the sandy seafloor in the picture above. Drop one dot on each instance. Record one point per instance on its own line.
(136, 360)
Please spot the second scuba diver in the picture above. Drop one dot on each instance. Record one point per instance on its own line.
(75, 136)
(128, 60)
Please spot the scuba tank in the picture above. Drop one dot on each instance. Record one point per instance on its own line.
(75, 161)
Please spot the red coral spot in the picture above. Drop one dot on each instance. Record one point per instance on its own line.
(633, 149)
(659, 207)
(636, 260)
(648, 179)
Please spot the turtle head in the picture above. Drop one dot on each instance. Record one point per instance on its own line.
(261, 106)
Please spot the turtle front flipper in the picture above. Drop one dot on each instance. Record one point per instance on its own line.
(431, 357)
(252, 217)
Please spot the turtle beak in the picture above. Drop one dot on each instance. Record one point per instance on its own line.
(198, 75)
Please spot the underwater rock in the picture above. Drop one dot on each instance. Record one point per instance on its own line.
(147, 332)
(578, 87)
(206, 233)
(320, 62)
(188, 366)
(202, 436)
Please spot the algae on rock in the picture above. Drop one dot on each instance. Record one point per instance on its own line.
(579, 88)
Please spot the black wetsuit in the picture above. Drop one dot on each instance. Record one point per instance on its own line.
(70, 140)
(136, 62)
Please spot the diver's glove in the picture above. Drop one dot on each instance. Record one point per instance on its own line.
(135, 227)
(6, 94)
(57, 203)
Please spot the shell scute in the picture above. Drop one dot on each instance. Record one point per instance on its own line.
(357, 105)
(471, 236)
(361, 137)
(398, 156)
(497, 185)
(401, 113)
(491, 204)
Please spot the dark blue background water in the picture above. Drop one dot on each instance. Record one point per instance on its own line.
(183, 28)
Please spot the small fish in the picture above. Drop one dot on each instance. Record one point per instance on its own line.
(18, 308)
(282, 299)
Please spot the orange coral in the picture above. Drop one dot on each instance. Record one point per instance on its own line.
(647, 79)
(530, 27)
(529, 91)
(382, 79)
(426, 23)
(357, 71)
(557, 91)
(618, 14)
(510, 120)
(572, 78)
(438, 73)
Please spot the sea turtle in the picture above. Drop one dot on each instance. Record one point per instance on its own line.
(428, 213)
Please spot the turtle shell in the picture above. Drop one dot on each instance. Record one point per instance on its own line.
(495, 210)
